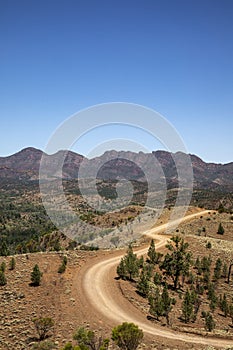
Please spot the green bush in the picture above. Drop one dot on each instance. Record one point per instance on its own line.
(127, 336)
(87, 339)
(62, 267)
(43, 325)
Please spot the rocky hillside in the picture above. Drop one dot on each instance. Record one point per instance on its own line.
(24, 166)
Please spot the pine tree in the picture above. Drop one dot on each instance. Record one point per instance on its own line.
(224, 270)
(156, 305)
(220, 229)
(197, 266)
(218, 269)
(212, 297)
(166, 303)
(129, 265)
(177, 263)
(224, 305)
(3, 280)
(143, 283)
(121, 269)
(36, 276)
(209, 322)
(206, 264)
(152, 255)
(12, 264)
(157, 278)
(187, 307)
(3, 266)
(4, 250)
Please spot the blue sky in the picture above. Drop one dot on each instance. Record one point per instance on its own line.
(60, 56)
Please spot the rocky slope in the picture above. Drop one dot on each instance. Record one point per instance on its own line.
(24, 166)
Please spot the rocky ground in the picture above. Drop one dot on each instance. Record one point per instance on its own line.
(58, 296)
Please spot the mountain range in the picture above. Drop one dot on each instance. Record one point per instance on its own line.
(24, 166)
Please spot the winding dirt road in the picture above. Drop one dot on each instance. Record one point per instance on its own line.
(101, 292)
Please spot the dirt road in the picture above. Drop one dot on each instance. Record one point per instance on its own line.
(105, 299)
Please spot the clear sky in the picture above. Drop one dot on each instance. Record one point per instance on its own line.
(60, 56)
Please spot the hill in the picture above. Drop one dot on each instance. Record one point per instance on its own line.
(25, 226)
(25, 164)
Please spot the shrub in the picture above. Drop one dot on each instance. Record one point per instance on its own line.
(87, 339)
(45, 345)
(43, 326)
(127, 336)
(62, 267)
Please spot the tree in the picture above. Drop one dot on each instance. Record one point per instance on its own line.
(156, 305)
(3, 280)
(4, 250)
(3, 266)
(176, 263)
(197, 266)
(157, 278)
(36, 276)
(209, 322)
(206, 264)
(218, 269)
(224, 270)
(212, 296)
(62, 267)
(152, 255)
(12, 264)
(187, 307)
(43, 326)
(143, 283)
(129, 265)
(167, 303)
(87, 339)
(127, 336)
(121, 269)
(220, 229)
(223, 304)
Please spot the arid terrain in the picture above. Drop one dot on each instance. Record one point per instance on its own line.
(74, 297)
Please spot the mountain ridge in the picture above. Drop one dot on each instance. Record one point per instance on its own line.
(25, 165)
